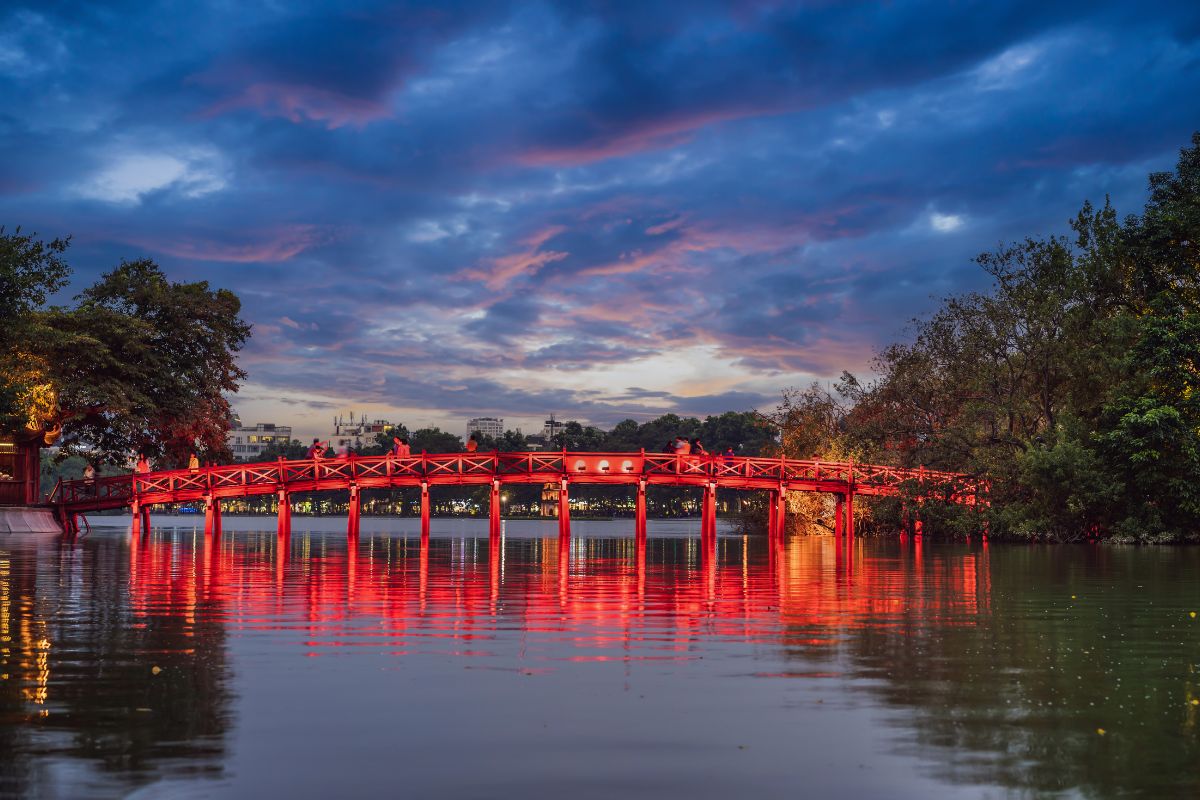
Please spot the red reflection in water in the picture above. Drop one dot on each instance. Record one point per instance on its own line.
(598, 599)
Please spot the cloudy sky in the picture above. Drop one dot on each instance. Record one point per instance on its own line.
(604, 210)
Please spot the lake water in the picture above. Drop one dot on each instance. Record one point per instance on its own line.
(176, 667)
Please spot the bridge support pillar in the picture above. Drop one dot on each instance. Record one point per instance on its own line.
(146, 519)
(708, 511)
(772, 513)
(135, 529)
(781, 514)
(352, 513)
(283, 522)
(494, 512)
(212, 516)
(639, 521)
(850, 515)
(839, 517)
(564, 511)
(424, 513)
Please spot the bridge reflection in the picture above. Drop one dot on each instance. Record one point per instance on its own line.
(978, 661)
(605, 597)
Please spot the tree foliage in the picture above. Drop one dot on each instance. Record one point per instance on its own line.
(1071, 383)
(138, 364)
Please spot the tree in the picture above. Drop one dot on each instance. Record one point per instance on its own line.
(143, 365)
(289, 450)
(508, 442)
(139, 364)
(30, 272)
(1072, 383)
(434, 440)
(744, 431)
(579, 438)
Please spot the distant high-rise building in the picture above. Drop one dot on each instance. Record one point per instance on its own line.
(492, 427)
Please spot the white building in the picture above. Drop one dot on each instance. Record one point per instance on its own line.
(247, 443)
(357, 433)
(487, 426)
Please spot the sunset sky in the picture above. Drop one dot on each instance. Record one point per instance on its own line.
(602, 210)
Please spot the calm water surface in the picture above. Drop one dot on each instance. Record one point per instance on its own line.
(247, 667)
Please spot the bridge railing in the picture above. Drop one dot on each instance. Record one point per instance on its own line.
(478, 467)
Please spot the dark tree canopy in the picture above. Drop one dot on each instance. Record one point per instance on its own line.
(139, 364)
(1074, 383)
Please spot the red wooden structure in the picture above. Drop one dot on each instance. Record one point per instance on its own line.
(20, 468)
(282, 478)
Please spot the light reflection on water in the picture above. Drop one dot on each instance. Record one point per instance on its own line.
(250, 666)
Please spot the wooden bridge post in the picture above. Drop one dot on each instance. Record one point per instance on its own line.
(212, 516)
(772, 514)
(639, 522)
(353, 512)
(708, 511)
(283, 522)
(564, 509)
(424, 513)
(146, 519)
(839, 516)
(781, 514)
(850, 513)
(494, 511)
(135, 529)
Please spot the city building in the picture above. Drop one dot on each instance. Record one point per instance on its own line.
(357, 433)
(247, 442)
(487, 426)
(553, 427)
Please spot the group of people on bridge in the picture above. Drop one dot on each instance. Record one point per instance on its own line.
(682, 446)
(400, 448)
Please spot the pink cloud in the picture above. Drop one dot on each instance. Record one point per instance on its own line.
(299, 103)
(530, 260)
(665, 132)
(273, 246)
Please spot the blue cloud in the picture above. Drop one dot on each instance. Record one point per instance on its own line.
(514, 207)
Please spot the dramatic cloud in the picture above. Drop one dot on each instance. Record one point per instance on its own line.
(434, 210)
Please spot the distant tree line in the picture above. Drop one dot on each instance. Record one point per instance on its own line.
(747, 433)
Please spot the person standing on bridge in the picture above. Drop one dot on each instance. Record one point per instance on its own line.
(142, 466)
(194, 463)
(89, 478)
(317, 450)
(400, 448)
(472, 444)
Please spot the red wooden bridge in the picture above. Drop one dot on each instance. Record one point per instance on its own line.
(843, 479)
